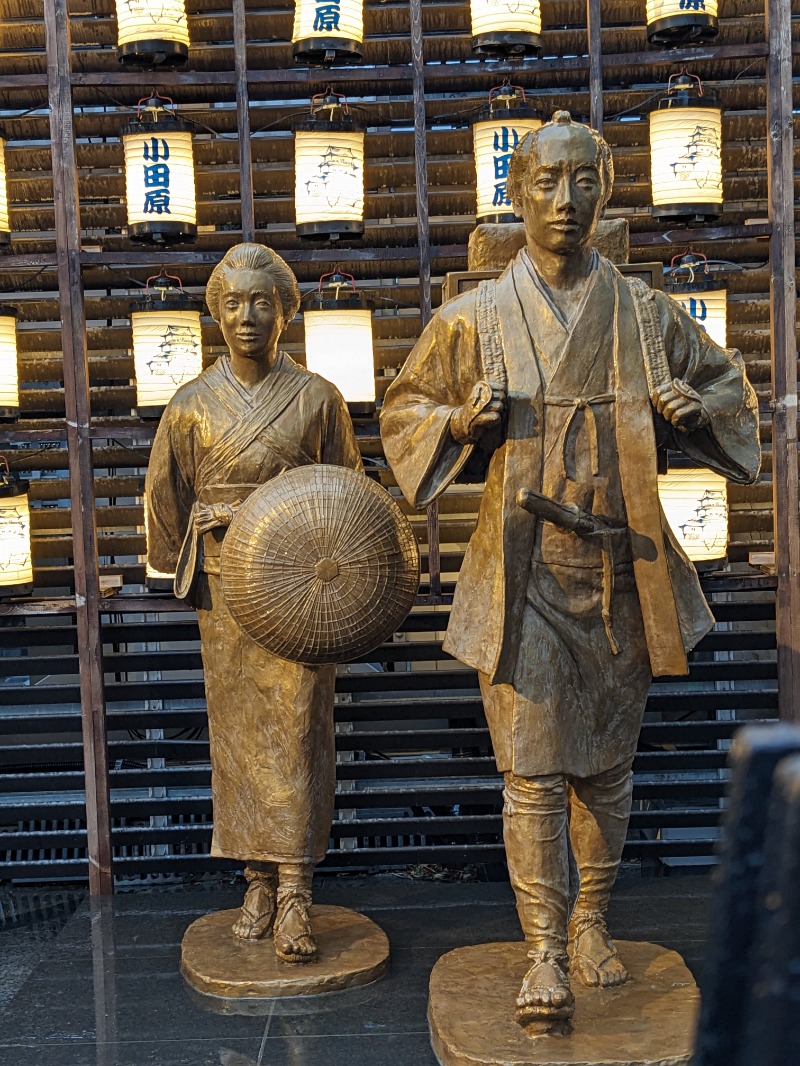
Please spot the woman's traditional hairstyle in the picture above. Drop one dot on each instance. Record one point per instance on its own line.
(521, 159)
(255, 257)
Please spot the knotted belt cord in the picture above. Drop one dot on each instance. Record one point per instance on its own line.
(607, 551)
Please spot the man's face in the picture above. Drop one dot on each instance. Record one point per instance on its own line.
(562, 192)
(249, 313)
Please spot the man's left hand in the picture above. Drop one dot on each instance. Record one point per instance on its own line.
(681, 406)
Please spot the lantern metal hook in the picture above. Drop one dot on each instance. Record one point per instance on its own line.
(684, 73)
(330, 100)
(155, 95)
(507, 85)
(163, 274)
(337, 272)
(689, 261)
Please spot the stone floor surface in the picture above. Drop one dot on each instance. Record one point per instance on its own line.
(84, 985)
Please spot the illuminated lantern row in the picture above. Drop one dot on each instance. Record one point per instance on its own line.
(16, 569)
(702, 296)
(503, 29)
(159, 175)
(676, 22)
(329, 171)
(339, 347)
(152, 33)
(155, 580)
(328, 32)
(695, 502)
(686, 153)
(167, 344)
(9, 374)
(5, 224)
(501, 125)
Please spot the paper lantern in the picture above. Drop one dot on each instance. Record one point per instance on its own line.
(159, 177)
(329, 172)
(700, 295)
(328, 32)
(501, 125)
(5, 224)
(503, 29)
(338, 325)
(676, 22)
(155, 580)
(167, 344)
(152, 33)
(16, 569)
(686, 153)
(9, 374)
(695, 502)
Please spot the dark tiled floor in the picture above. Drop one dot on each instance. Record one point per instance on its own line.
(85, 986)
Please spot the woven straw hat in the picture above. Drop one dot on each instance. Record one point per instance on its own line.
(320, 565)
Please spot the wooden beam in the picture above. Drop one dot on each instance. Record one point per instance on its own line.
(81, 469)
(593, 24)
(783, 338)
(243, 121)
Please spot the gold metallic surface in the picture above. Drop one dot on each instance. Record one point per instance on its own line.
(647, 1022)
(351, 951)
(561, 379)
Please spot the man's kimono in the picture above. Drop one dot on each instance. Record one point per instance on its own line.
(565, 630)
(270, 721)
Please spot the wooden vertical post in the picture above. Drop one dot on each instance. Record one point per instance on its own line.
(243, 121)
(783, 330)
(424, 244)
(81, 469)
(593, 19)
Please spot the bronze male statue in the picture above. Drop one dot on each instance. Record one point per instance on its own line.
(573, 590)
(243, 421)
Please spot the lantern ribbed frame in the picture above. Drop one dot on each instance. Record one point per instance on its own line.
(695, 502)
(9, 364)
(706, 301)
(340, 346)
(5, 220)
(686, 157)
(152, 33)
(519, 121)
(144, 141)
(16, 567)
(167, 349)
(329, 178)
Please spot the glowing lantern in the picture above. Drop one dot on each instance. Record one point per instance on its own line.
(501, 125)
(676, 22)
(9, 375)
(686, 153)
(700, 295)
(167, 344)
(338, 324)
(695, 502)
(155, 580)
(329, 171)
(159, 175)
(152, 33)
(328, 32)
(503, 29)
(5, 224)
(16, 569)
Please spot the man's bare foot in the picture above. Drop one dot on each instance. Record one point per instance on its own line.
(258, 910)
(545, 1003)
(292, 934)
(593, 958)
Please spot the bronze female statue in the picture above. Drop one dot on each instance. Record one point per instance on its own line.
(249, 417)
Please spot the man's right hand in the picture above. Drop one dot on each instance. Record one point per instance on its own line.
(482, 410)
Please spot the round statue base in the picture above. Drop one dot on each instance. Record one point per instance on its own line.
(647, 1022)
(351, 951)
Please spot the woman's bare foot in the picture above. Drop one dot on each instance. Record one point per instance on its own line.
(258, 909)
(545, 1003)
(593, 958)
(292, 934)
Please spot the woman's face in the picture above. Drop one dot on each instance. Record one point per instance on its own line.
(250, 314)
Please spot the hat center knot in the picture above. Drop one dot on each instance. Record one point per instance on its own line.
(327, 569)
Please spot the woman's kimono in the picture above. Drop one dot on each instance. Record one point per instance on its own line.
(270, 721)
(565, 630)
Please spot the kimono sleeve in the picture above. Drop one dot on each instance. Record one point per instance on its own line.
(729, 443)
(437, 378)
(169, 495)
(339, 446)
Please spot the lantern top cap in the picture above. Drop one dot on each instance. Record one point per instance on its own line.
(8, 311)
(10, 484)
(691, 272)
(337, 291)
(329, 109)
(166, 293)
(507, 101)
(685, 90)
(160, 112)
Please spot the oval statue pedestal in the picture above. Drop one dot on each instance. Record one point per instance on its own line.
(649, 1021)
(352, 950)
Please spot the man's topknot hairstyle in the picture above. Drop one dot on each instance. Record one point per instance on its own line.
(255, 257)
(520, 160)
